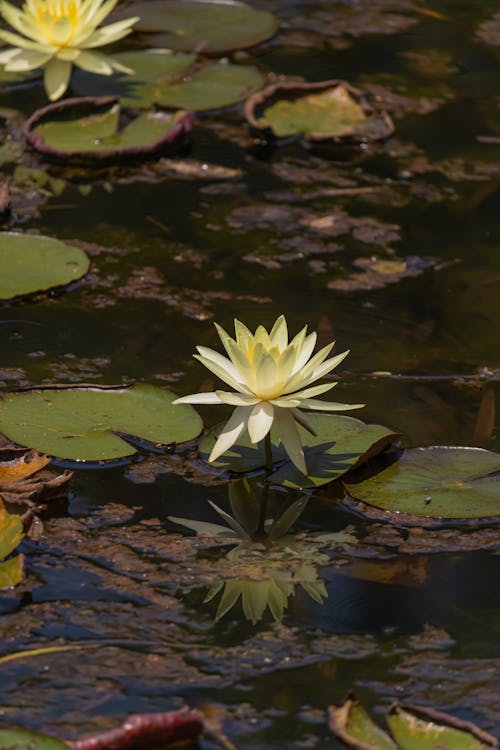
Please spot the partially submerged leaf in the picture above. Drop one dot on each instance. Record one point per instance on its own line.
(23, 478)
(92, 130)
(436, 482)
(319, 111)
(23, 739)
(418, 729)
(353, 725)
(87, 423)
(33, 263)
(341, 444)
(208, 26)
(169, 80)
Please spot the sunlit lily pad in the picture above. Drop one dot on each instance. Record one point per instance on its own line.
(435, 482)
(11, 534)
(207, 26)
(328, 110)
(95, 423)
(33, 263)
(22, 739)
(169, 80)
(341, 444)
(95, 130)
(411, 727)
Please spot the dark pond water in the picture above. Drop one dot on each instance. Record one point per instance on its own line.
(405, 617)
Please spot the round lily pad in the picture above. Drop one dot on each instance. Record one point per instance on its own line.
(92, 423)
(23, 739)
(33, 263)
(207, 26)
(436, 482)
(327, 110)
(172, 80)
(95, 129)
(341, 444)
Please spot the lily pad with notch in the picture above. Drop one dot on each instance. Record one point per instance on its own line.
(341, 444)
(207, 26)
(96, 423)
(439, 482)
(34, 263)
(326, 110)
(173, 80)
(90, 130)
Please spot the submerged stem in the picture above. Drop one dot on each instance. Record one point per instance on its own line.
(269, 453)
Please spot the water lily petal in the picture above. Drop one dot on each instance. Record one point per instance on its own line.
(236, 399)
(17, 19)
(108, 34)
(243, 334)
(60, 31)
(68, 53)
(316, 390)
(290, 438)
(94, 63)
(304, 421)
(231, 432)
(222, 373)
(6, 55)
(279, 333)
(285, 403)
(266, 376)
(329, 365)
(313, 403)
(56, 77)
(27, 59)
(260, 421)
(315, 368)
(305, 352)
(199, 398)
(21, 41)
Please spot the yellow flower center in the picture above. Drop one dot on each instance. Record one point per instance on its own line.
(58, 20)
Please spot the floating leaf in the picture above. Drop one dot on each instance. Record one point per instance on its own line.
(32, 263)
(207, 26)
(319, 111)
(341, 444)
(172, 81)
(11, 534)
(24, 480)
(86, 423)
(92, 129)
(353, 725)
(435, 482)
(414, 732)
(412, 728)
(22, 739)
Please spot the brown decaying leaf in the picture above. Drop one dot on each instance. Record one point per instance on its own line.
(147, 731)
(23, 479)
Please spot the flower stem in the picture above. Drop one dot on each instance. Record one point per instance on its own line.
(269, 453)
(261, 530)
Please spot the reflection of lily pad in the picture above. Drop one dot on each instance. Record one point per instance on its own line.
(32, 263)
(436, 482)
(89, 423)
(208, 26)
(341, 444)
(172, 81)
(92, 129)
(319, 111)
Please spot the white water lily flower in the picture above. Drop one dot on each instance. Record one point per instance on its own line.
(57, 34)
(272, 381)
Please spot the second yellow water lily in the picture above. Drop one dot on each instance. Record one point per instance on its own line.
(57, 34)
(272, 380)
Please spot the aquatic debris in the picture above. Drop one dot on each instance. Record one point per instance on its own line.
(24, 478)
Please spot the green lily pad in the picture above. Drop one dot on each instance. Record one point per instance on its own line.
(318, 111)
(91, 129)
(11, 534)
(351, 723)
(341, 444)
(94, 423)
(22, 739)
(33, 263)
(435, 482)
(413, 732)
(207, 26)
(411, 727)
(172, 81)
